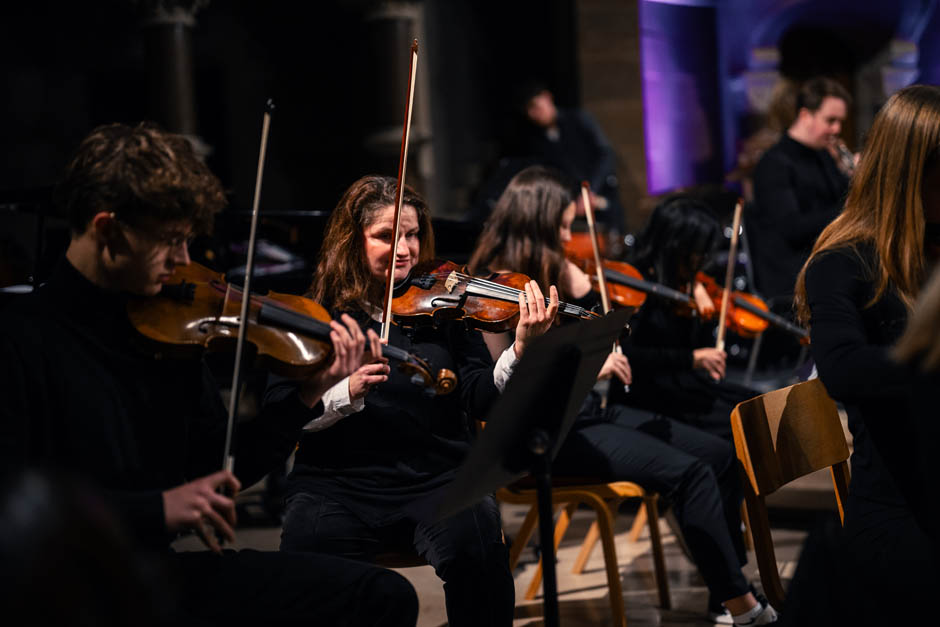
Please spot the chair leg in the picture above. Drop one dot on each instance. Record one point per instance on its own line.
(587, 547)
(605, 522)
(746, 532)
(522, 538)
(659, 562)
(590, 540)
(638, 523)
(564, 519)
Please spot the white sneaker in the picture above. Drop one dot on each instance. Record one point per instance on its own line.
(765, 616)
(720, 618)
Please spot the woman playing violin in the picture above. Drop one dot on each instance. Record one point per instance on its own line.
(693, 469)
(381, 442)
(675, 374)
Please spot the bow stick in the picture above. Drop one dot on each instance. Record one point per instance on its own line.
(729, 276)
(399, 193)
(601, 280)
(228, 458)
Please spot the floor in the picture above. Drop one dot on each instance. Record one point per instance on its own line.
(583, 599)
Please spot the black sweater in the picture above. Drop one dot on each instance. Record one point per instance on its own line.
(79, 395)
(404, 444)
(797, 192)
(850, 343)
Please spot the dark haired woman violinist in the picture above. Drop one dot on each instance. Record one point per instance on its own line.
(675, 374)
(381, 442)
(690, 468)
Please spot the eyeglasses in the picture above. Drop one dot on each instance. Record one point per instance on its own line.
(171, 239)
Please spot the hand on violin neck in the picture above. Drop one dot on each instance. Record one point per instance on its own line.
(198, 505)
(534, 317)
(349, 345)
(616, 365)
(711, 360)
(703, 302)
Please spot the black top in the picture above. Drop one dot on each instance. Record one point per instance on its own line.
(849, 342)
(582, 152)
(797, 192)
(80, 396)
(404, 444)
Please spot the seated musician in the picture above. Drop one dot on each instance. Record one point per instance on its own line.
(694, 470)
(856, 290)
(82, 396)
(677, 373)
(382, 442)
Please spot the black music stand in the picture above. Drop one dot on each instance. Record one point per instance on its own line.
(529, 422)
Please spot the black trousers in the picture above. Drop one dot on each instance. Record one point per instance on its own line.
(271, 588)
(466, 551)
(693, 470)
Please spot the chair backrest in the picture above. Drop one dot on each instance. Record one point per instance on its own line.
(787, 433)
(778, 437)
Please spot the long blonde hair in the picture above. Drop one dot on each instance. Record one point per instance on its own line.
(884, 207)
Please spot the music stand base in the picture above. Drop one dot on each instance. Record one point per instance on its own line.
(540, 444)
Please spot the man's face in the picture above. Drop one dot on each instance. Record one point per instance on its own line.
(142, 259)
(541, 109)
(823, 125)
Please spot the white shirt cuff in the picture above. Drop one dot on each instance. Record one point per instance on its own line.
(504, 367)
(336, 406)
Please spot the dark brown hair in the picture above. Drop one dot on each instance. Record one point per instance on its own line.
(342, 279)
(143, 174)
(814, 91)
(884, 207)
(523, 232)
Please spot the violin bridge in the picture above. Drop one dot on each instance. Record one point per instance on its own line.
(451, 281)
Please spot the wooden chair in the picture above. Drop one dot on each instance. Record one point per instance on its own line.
(604, 498)
(781, 436)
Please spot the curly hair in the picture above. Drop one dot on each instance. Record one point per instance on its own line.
(143, 174)
(342, 279)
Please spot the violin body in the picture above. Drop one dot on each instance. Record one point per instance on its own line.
(621, 294)
(197, 310)
(441, 290)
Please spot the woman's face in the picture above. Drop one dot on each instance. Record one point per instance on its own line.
(567, 217)
(378, 242)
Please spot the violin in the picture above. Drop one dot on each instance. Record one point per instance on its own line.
(441, 290)
(748, 315)
(625, 284)
(198, 310)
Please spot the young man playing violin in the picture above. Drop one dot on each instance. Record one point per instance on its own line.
(82, 397)
(381, 442)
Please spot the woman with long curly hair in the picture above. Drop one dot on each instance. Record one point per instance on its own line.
(379, 443)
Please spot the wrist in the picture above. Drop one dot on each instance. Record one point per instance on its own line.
(518, 348)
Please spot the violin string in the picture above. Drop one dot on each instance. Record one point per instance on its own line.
(505, 292)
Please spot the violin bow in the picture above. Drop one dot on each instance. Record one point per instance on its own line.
(399, 194)
(729, 276)
(598, 264)
(228, 458)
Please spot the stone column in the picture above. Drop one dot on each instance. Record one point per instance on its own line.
(167, 32)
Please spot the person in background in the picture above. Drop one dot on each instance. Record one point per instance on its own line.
(798, 188)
